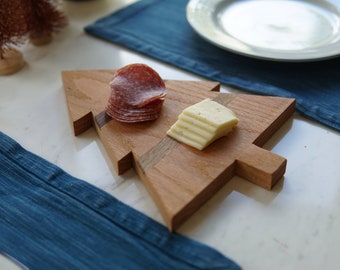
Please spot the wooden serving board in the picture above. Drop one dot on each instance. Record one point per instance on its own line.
(180, 178)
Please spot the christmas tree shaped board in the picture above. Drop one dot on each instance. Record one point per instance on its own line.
(180, 178)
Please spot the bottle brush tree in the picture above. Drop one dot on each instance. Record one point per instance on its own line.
(36, 19)
(13, 28)
(44, 18)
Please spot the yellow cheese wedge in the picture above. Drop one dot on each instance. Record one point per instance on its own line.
(202, 123)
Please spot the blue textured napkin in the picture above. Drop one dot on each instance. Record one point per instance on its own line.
(159, 28)
(51, 220)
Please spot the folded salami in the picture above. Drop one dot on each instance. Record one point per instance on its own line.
(137, 94)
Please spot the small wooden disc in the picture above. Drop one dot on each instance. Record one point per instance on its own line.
(41, 40)
(11, 62)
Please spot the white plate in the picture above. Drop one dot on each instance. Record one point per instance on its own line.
(285, 30)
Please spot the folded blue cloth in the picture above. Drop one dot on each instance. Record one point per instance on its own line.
(159, 28)
(51, 220)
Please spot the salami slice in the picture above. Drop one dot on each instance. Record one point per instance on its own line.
(137, 94)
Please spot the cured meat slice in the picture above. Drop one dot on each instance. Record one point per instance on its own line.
(132, 115)
(137, 94)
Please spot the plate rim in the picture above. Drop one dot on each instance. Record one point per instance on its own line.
(264, 53)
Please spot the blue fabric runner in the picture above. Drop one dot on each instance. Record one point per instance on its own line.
(51, 220)
(158, 28)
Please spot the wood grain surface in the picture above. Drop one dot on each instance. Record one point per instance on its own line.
(11, 62)
(181, 178)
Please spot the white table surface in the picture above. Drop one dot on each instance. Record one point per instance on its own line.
(294, 226)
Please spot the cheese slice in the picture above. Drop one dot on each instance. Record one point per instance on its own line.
(202, 123)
